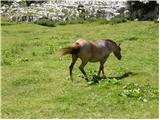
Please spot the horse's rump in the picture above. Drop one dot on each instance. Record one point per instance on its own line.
(71, 50)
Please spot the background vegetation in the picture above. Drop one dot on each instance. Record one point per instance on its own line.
(51, 12)
(35, 80)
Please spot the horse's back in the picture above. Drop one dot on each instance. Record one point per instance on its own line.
(100, 52)
(92, 51)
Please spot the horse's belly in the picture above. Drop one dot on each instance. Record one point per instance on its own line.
(89, 58)
(95, 59)
(97, 56)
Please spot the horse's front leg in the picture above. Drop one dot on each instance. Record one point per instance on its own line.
(81, 67)
(74, 59)
(101, 67)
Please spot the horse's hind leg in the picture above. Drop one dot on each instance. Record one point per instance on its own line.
(74, 59)
(81, 67)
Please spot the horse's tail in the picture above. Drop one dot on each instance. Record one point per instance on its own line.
(71, 50)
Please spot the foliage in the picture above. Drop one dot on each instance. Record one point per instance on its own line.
(19, 9)
(156, 21)
(115, 20)
(103, 21)
(6, 2)
(118, 19)
(5, 22)
(76, 21)
(46, 22)
(61, 22)
(139, 9)
(143, 93)
(28, 3)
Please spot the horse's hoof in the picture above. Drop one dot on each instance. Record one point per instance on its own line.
(71, 78)
(104, 77)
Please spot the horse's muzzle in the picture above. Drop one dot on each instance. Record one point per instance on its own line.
(119, 58)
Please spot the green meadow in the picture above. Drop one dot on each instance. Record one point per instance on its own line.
(35, 77)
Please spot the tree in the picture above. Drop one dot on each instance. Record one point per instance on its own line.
(7, 2)
(28, 3)
(142, 10)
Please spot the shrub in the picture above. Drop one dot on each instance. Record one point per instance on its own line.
(61, 22)
(5, 21)
(142, 9)
(143, 93)
(93, 20)
(103, 21)
(46, 22)
(90, 20)
(76, 21)
(97, 20)
(118, 19)
(156, 21)
(6, 61)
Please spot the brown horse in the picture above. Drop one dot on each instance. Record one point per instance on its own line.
(88, 51)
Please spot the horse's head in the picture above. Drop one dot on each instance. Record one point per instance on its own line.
(117, 52)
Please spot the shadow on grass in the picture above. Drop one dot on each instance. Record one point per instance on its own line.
(126, 74)
(95, 79)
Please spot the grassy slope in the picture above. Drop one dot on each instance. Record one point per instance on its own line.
(35, 78)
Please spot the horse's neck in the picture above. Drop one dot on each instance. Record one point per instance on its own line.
(111, 46)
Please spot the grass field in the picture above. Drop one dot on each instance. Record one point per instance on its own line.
(35, 80)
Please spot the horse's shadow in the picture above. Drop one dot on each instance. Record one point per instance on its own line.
(95, 79)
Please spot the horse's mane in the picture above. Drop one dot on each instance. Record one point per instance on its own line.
(110, 40)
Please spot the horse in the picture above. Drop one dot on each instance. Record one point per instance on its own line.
(89, 51)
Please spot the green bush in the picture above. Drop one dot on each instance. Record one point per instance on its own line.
(61, 22)
(6, 22)
(103, 21)
(115, 20)
(118, 19)
(90, 20)
(76, 21)
(46, 22)
(156, 21)
(143, 93)
(93, 20)
(97, 20)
